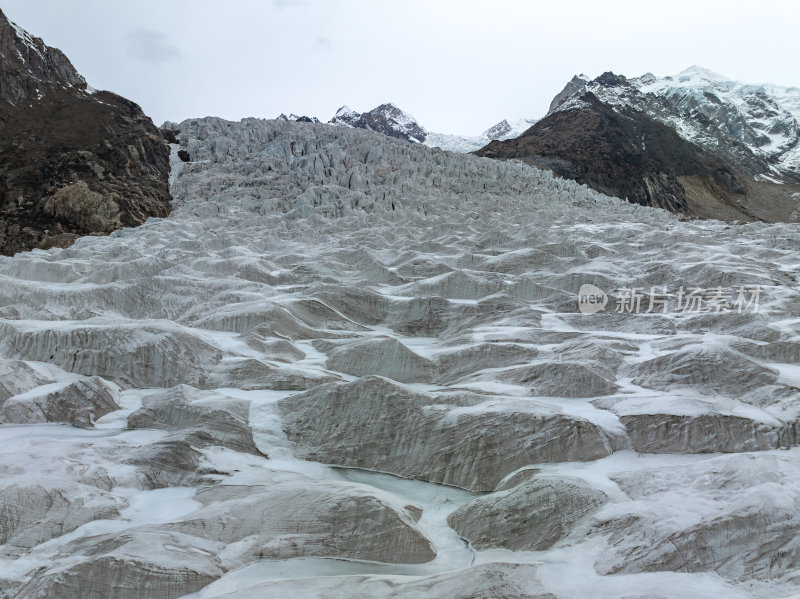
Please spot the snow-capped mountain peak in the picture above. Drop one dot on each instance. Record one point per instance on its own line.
(697, 73)
(387, 118)
(754, 126)
(297, 118)
(399, 120)
(345, 117)
(346, 112)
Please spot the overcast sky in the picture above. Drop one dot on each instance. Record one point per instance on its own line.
(458, 66)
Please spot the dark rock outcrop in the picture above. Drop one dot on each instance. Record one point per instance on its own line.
(576, 84)
(73, 161)
(499, 130)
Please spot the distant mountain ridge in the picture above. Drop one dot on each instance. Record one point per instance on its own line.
(394, 122)
(391, 120)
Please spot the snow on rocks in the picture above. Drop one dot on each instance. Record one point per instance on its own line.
(382, 356)
(485, 580)
(18, 376)
(140, 354)
(377, 424)
(563, 379)
(134, 565)
(35, 513)
(531, 516)
(217, 420)
(79, 403)
(306, 519)
(740, 521)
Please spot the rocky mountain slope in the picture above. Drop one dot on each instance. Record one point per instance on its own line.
(73, 160)
(696, 143)
(351, 366)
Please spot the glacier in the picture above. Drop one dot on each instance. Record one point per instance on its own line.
(346, 365)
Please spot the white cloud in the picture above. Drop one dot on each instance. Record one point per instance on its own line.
(322, 43)
(151, 46)
(287, 3)
(458, 66)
